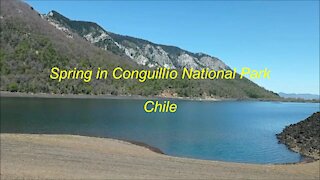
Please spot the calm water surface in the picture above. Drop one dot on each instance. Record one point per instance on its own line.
(226, 131)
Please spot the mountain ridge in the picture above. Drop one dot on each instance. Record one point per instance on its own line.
(141, 51)
(306, 96)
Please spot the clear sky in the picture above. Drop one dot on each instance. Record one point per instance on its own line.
(282, 36)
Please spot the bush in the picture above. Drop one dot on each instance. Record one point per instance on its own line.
(13, 87)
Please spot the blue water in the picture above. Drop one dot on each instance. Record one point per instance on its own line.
(236, 131)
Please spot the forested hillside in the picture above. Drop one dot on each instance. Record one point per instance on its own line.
(31, 46)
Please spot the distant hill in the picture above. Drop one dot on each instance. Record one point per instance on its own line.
(32, 43)
(300, 96)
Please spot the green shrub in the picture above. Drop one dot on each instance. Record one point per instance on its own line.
(13, 87)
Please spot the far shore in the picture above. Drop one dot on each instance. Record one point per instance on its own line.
(103, 96)
(38, 156)
(137, 97)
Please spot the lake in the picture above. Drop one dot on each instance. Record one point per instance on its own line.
(235, 131)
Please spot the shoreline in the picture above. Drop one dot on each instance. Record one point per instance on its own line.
(304, 159)
(105, 96)
(137, 97)
(136, 143)
(74, 156)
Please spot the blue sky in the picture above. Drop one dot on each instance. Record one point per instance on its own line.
(281, 36)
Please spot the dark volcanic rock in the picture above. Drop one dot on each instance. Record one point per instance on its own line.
(303, 137)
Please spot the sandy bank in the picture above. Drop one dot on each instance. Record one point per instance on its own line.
(79, 157)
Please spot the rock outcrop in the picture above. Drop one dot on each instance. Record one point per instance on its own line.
(303, 137)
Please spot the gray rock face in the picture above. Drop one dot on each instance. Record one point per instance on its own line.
(140, 51)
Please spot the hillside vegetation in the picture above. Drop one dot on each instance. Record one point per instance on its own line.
(31, 46)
